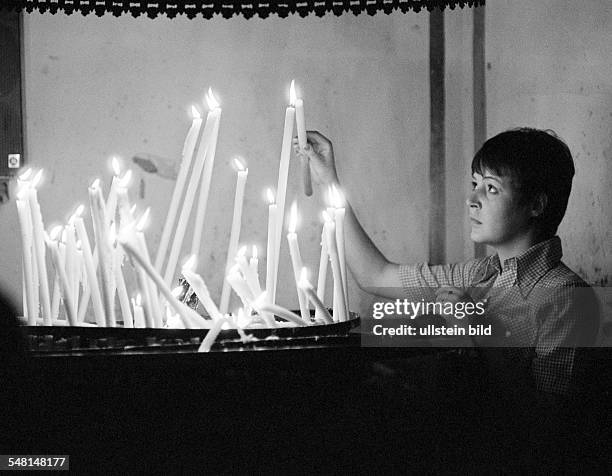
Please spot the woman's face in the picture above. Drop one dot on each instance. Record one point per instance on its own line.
(495, 215)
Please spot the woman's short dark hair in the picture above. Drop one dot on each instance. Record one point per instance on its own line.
(537, 162)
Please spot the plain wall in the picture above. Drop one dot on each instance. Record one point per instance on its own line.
(549, 65)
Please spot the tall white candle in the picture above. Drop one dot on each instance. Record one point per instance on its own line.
(305, 285)
(271, 269)
(322, 276)
(194, 180)
(235, 231)
(155, 305)
(339, 214)
(39, 249)
(253, 276)
(283, 175)
(92, 279)
(111, 200)
(206, 174)
(105, 261)
(187, 155)
(65, 284)
(300, 124)
(124, 300)
(26, 243)
(72, 260)
(296, 261)
(339, 305)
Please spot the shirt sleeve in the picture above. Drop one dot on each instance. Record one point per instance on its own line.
(423, 275)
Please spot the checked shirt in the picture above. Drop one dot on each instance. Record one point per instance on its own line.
(545, 308)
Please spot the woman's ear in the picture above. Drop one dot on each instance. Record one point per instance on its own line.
(539, 205)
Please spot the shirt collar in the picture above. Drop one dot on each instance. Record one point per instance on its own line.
(529, 266)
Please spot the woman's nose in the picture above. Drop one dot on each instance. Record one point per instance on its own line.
(473, 200)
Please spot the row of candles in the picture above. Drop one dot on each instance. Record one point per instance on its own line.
(98, 271)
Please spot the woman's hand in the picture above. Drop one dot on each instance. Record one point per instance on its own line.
(320, 151)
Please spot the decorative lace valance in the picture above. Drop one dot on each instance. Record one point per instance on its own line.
(227, 9)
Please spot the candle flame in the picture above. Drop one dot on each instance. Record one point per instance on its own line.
(254, 252)
(55, 232)
(37, 178)
(133, 209)
(126, 179)
(239, 165)
(79, 211)
(336, 197)
(116, 166)
(195, 113)
(270, 196)
(292, 95)
(326, 217)
(293, 218)
(144, 220)
(26, 175)
(95, 184)
(176, 292)
(64, 235)
(211, 100)
(191, 263)
(139, 299)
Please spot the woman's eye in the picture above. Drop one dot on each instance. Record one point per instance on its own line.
(473, 185)
(491, 189)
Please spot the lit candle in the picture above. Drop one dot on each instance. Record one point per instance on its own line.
(25, 222)
(92, 280)
(300, 124)
(211, 119)
(111, 201)
(127, 240)
(330, 232)
(271, 269)
(206, 174)
(296, 261)
(322, 276)
(139, 320)
(339, 214)
(235, 231)
(283, 174)
(65, 284)
(123, 202)
(253, 277)
(98, 213)
(308, 289)
(72, 260)
(152, 295)
(39, 248)
(199, 286)
(187, 155)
